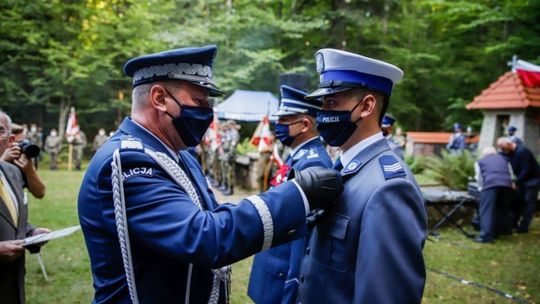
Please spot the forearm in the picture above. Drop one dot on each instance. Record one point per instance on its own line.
(35, 184)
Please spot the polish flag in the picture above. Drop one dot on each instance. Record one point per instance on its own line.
(528, 72)
(72, 127)
(262, 136)
(283, 169)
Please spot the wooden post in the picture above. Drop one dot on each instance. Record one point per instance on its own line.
(70, 157)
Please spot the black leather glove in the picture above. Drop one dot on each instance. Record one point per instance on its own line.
(320, 185)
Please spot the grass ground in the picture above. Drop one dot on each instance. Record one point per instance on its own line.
(510, 264)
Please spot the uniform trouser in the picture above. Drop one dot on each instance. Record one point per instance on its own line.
(216, 168)
(493, 211)
(77, 156)
(527, 197)
(53, 164)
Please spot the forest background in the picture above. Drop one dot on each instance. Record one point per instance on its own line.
(57, 54)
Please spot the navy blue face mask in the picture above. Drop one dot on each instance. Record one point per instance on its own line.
(192, 122)
(282, 133)
(336, 127)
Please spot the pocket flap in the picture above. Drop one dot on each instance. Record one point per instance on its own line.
(336, 226)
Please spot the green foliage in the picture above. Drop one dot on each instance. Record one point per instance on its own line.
(54, 54)
(417, 164)
(451, 170)
(245, 146)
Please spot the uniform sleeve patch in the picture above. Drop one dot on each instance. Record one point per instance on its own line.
(139, 171)
(391, 167)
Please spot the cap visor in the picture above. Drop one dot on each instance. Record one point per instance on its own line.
(213, 90)
(326, 91)
(284, 113)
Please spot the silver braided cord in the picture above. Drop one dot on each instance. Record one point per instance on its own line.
(121, 224)
(180, 177)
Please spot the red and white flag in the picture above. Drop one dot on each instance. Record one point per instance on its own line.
(213, 136)
(262, 136)
(72, 127)
(528, 72)
(283, 170)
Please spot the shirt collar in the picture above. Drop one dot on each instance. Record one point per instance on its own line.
(349, 155)
(301, 145)
(171, 151)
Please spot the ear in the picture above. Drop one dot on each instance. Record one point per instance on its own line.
(369, 105)
(157, 97)
(11, 139)
(307, 124)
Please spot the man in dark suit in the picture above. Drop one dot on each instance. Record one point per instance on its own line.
(527, 172)
(14, 224)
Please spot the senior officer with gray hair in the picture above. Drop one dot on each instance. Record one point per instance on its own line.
(368, 249)
(152, 226)
(274, 274)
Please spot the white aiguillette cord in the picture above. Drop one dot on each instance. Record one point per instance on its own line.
(180, 177)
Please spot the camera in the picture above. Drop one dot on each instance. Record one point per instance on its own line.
(29, 149)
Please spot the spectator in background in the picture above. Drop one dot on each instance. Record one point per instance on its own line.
(14, 226)
(494, 177)
(12, 153)
(53, 144)
(527, 172)
(456, 144)
(512, 135)
(99, 139)
(34, 135)
(79, 142)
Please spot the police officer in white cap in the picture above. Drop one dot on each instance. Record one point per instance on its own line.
(368, 249)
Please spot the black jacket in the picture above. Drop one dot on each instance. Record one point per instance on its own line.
(525, 167)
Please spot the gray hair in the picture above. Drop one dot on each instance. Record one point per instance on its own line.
(488, 150)
(8, 119)
(140, 95)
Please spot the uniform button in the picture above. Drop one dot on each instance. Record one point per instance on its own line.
(292, 232)
(280, 274)
(302, 278)
(308, 250)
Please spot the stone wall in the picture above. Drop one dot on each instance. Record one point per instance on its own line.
(526, 123)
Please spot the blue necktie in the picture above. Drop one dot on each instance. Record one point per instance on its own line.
(338, 165)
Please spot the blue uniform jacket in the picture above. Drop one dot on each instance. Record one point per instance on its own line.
(174, 243)
(274, 274)
(369, 248)
(457, 142)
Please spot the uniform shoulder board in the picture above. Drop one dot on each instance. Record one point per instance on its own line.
(131, 143)
(391, 167)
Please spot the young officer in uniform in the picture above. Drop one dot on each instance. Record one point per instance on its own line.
(274, 274)
(387, 127)
(152, 226)
(368, 249)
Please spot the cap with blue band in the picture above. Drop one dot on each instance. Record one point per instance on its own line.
(293, 103)
(341, 71)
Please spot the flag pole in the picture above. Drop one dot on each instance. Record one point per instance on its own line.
(70, 156)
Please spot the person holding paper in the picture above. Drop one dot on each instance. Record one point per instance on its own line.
(14, 224)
